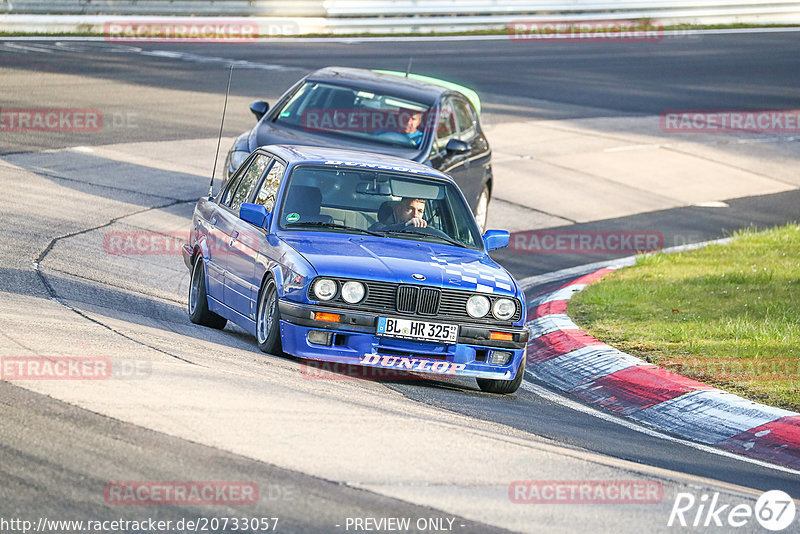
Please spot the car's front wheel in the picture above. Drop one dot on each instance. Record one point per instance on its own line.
(268, 328)
(198, 299)
(482, 209)
(503, 387)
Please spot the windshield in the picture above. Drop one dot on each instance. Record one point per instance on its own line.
(376, 202)
(373, 117)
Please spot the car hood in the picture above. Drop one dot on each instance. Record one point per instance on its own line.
(397, 260)
(268, 133)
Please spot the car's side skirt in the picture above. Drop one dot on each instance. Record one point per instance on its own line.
(232, 315)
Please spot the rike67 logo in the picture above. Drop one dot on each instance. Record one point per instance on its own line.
(774, 510)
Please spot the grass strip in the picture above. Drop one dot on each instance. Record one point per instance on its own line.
(727, 315)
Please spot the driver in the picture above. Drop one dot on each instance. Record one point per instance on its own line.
(411, 127)
(407, 212)
(410, 211)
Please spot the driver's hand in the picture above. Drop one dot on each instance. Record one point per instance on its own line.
(416, 221)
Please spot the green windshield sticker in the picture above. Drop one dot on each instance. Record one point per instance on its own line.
(466, 91)
(293, 217)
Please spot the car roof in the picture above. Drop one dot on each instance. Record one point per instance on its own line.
(294, 154)
(410, 88)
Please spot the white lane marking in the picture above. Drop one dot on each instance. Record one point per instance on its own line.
(578, 407)
(26, 48)
(632, 147)
(711, 204)
(165, 54)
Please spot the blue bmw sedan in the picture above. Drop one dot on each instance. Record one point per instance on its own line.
(357, 258)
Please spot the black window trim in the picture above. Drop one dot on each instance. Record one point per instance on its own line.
(248, 161)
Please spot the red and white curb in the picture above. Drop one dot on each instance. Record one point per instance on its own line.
(562, 355)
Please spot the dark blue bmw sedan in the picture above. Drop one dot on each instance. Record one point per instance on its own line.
(357, 258)
(424, 119)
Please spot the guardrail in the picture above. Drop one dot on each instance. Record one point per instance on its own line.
(246, 8)
(391, 16)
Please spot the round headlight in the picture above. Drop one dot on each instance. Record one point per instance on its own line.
(504, 309)
(477, 306)
(325, 289)
(352, 292)
(237, 158)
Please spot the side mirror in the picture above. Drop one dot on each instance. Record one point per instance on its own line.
(494, 239)
(255, 214)
(259, 108)
(456, 146)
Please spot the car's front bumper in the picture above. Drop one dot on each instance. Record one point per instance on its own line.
(353, 340)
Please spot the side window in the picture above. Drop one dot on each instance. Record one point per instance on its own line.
(269, 187)
(466, 121)
(446, 127)
(241, 191)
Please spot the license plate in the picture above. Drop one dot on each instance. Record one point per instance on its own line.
(412, 329)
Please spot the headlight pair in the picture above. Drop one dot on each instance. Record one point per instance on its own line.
(503, 309)
(352, 292)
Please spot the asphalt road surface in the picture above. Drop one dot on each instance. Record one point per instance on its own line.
(209, 406)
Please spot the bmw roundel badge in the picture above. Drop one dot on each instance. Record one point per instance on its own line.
(416, 276)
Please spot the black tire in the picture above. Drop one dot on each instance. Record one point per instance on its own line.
(504, 387)
(198, 299)
(268, 326)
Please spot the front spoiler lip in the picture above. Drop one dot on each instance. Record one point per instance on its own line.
(375, 361)
(366, 323)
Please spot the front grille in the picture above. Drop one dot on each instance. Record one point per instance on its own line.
(428, 301)
(420, 300)
(407, 299)
(389, 298)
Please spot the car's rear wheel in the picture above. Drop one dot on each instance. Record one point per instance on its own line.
(482, 209)
(268, 328)
(198, 299)
(503, 387)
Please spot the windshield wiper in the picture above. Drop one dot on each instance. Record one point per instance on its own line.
(446, 239)
(321, 224)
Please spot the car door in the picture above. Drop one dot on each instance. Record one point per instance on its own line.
(477, 156)
(246, 242)
(218, 236)
(451, 162)
(235, 292)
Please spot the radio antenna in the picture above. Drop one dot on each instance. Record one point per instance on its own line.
(408, 69)
(219, 139)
